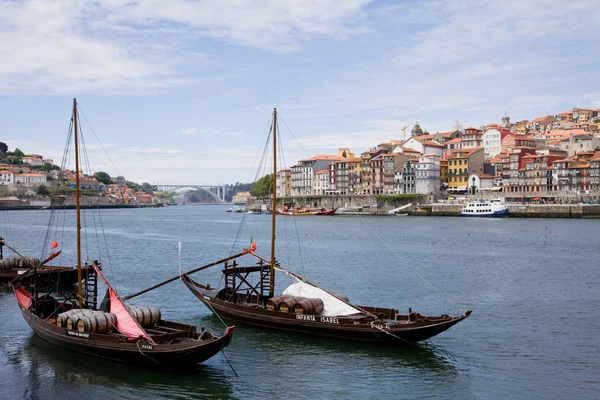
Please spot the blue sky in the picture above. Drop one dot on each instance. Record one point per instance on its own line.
(182, 91)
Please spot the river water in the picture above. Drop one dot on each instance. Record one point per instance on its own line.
(532, 285)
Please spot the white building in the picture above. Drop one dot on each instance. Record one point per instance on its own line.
(30, 178)
(427, 175)
(321, 182)
(33, 159)
(492, 142)
(6, 177)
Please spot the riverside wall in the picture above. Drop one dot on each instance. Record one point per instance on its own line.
(420, 207)
(522, 210)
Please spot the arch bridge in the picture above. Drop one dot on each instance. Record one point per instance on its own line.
(217, 192)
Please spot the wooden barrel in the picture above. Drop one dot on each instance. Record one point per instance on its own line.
(61, 319)
(147, 317)
(273, 302)
(309, 306)
(341, 297)
(71, 322)
(287, 304)
(97, 322)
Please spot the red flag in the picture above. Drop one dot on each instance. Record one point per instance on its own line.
(54, 244)
(252, 247)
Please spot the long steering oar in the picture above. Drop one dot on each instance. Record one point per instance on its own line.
(184, 273)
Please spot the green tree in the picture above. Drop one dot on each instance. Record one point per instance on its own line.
(18, 153)
(264, 186)
(148, 188)
(133, 185)
(103, 177)
(42, 190)
(3, 148)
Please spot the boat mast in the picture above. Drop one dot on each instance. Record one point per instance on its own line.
(77, 205)
(274, 207)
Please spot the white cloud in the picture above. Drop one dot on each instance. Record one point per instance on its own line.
(121, 46)
(141, 149)
(190, 131)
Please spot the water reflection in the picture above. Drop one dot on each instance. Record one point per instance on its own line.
(51, 372)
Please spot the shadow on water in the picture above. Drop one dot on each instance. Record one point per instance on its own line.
(52, 372)
(275, 344)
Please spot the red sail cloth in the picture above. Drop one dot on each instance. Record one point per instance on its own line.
(54, 244)
(23, 297)
(126, 324)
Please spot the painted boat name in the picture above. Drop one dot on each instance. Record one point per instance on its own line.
(329, 320)
(78, 334)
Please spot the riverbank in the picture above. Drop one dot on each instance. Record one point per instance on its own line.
(518, 210)
(83, 206)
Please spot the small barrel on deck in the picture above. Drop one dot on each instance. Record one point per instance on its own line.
(61, 319)
(71, 322)
(308, 306)
(287, 304)
(273, 302)
(341, 297)
(146, 316)
(97, 322)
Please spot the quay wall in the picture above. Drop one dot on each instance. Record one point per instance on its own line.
(420, 207)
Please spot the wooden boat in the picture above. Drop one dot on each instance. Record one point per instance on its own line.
(253, 301)
(307, 211)
(76, 323)
(10, 269)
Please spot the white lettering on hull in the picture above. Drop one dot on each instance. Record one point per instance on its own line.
(328, 320)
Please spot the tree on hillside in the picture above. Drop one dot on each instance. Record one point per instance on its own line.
(264, 186)
(103, 177)
(18, 153)
(42, 190)
(148, 188)
(133, 185)
(3, 148)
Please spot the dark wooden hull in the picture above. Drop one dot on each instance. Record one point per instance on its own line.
(66, 275)
(118, 348)
(348, 327)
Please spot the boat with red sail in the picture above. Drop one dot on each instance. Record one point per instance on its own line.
(109, 329)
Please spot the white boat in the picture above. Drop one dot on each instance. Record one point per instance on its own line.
(485, 208)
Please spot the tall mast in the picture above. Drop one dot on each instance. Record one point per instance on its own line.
(77, 205)
(274, 207)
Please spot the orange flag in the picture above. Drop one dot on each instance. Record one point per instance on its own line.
(54, 244)
(252, 247)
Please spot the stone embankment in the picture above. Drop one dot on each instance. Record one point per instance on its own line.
(520, 210)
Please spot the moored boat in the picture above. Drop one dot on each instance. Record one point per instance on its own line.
(110, 328)
(485, 208)
(304, 306)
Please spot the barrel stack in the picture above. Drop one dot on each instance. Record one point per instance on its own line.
(146, 316)
(309, 306)
(273, 302)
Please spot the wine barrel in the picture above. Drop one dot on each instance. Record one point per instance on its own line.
(71, 322)
(341, 297)
(97, 322)
(273, 302)
(147, 317)
(287, 304)
(61, 319)
(309, 306)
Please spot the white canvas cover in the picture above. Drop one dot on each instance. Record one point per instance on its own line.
(332, 306)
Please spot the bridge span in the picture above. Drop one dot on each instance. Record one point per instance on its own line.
(218, 192)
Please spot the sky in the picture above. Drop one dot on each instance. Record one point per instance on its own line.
(182, 92)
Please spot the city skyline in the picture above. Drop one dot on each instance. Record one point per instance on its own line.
(184, 94)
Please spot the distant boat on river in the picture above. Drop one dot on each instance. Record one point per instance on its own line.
(485, 208)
